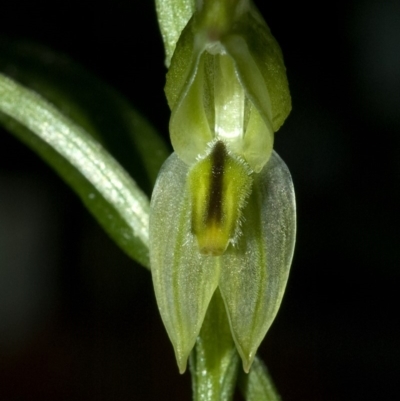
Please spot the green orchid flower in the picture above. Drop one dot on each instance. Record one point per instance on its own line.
(223, 210)
(227, 80)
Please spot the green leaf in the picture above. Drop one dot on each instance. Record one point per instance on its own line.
(91, 104)
(257, 384)
(173, 15)
(102, 184)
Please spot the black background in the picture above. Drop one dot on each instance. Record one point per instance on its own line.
(78, 319)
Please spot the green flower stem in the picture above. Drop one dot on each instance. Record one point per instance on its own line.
(214, 361)
(215, 364)
(103, 185)
(257, 385)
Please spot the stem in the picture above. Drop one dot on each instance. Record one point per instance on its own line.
(214, 362)
(257, 385)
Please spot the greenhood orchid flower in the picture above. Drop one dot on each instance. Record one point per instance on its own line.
(223, 211)
(227, 80)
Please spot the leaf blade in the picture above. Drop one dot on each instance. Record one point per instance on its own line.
(92, 104)
(110, 194)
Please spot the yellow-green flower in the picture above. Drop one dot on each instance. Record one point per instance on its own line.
(222, 210)
(227, 80)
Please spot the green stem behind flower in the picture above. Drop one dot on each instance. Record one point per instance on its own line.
(214, 362)
(257, 384)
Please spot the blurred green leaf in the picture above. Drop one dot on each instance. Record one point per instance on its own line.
(103, 185)
(257, 384)
(90, 103)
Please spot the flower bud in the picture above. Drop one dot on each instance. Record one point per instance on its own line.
(227, 81)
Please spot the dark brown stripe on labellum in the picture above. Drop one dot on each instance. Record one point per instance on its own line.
(214, 210)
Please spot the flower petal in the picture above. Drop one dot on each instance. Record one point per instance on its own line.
(184, 279)
(189, 128)
(173, 15)
(254, 274)
(251, 44)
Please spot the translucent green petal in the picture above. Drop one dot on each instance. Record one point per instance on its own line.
(173, 15)
(183, 67)
(260, 49)
(184, 279)
(189, 128)
(249, 75)
(254, 274)
(258, 141)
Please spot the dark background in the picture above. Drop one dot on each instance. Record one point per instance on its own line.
(78, 319)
